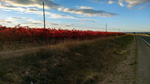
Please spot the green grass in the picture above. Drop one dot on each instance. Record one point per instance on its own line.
(66, 63)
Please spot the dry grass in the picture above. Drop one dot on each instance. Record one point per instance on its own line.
(23, 49)
(71, 62)
(144, 34)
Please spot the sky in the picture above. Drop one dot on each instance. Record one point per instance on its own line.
(119, 15)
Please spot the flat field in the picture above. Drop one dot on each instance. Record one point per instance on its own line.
(68, 62)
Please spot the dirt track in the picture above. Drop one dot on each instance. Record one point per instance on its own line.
(16, 53)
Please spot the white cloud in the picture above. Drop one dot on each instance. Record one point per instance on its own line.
(30, 22)
(2, 21)
(16, 18)
(143, 7)
(130, 3)
(52, 15)
(31, 3)
(38, 12)
(7, 21)
(60, 9)
(6, 7)
(85, 7)
(59, 25)
(10, 7)
(24, 7)
(37, 22)
(121, 4)
(32, 9)
(88, 12)
(110, 2)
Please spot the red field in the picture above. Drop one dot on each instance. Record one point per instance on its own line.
(19, 33)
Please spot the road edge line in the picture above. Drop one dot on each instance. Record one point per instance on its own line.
(146, 42)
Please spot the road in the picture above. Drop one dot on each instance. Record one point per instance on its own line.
(143, 60)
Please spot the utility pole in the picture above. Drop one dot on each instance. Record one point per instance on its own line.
(106, 27)
(44, 14)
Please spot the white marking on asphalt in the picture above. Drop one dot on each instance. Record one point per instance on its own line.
(146, 42)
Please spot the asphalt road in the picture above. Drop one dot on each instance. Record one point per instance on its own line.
(143, 60)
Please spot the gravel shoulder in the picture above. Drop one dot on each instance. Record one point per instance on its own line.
(123, 72)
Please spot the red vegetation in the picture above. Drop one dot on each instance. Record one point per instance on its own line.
(19, 33)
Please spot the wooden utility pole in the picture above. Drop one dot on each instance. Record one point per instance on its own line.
(106, 27)
(44, 14)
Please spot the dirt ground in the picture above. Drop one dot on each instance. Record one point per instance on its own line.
(123, 72)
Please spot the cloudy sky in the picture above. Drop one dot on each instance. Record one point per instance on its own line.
(120, 15)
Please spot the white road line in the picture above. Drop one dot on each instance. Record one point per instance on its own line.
(146, 42)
